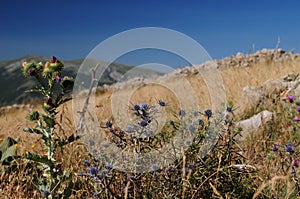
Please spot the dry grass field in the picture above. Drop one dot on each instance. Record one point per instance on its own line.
(14, 120)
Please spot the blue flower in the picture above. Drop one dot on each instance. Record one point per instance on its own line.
(45, 193)
(289, 147)
(136, 107)
(86, 163)
(181, 112)
(108, 124)
(161, 103)
(229, 109)
(191, 167)
(208, 113)
(143, 123)
(145, 107)
(93, 171)
(275, 148)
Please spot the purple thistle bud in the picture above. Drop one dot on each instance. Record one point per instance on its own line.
(181, 112)
(296, 119)
(290, 98)
(31, 72)
(289, 147)
(49, 101)
(296, 163)
(58, 79)
(143, 123)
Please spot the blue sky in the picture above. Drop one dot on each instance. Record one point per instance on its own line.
(71, 29)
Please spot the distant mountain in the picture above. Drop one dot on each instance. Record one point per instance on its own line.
(13, 84)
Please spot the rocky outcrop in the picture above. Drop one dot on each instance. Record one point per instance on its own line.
(253, 123)
(272, 91)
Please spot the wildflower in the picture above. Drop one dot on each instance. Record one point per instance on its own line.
(143, 123)
(290, 98)
(155, 167)
(86, 163)
(229, 109)
(171, 169)
(145, 107)
(200, 122)
(109, 167)
(208, 113)
(49, 101)
(275, 148)
(161, 103)
(296, 119)
(289, 147)
(296, 163)
(108, 124)
(31, 72)
(58, 79)
(191, 167)
(136, 107)
(181, 112)
(93, 171)
(45, 193)
(33, 146)
(91, 142)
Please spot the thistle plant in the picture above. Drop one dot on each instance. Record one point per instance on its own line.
(55, 91)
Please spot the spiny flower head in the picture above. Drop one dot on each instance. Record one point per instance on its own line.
(291, 98)
(289, 147)
(208, 113)
(161, 103)
(181, 112)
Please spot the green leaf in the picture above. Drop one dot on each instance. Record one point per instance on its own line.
(38, 158)
(32, 130)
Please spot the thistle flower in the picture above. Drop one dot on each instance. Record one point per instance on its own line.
(296, 119)
(108, 124)
(291, 98)
(229, 109)
(289, 147)
(275, 148)
(93, 171)
(208, 113)
(181, 112)
(143, 123)
(86, 163)
(161, 103)
(296, 163)
(45, 193)
(136, 107)
(58, 79)
(145, 107)
(191, 167)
